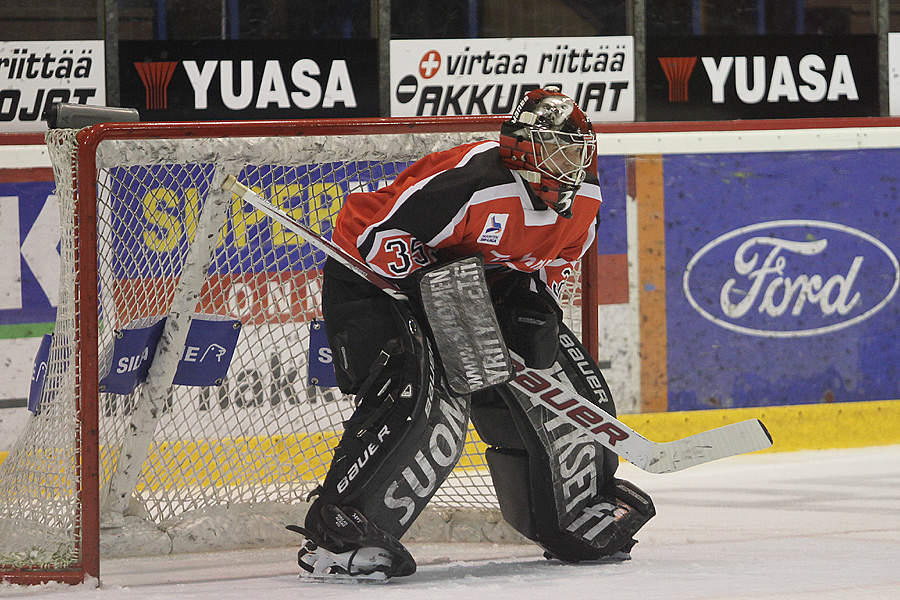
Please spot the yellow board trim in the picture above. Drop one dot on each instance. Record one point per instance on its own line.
(793, 428)
(256, 460)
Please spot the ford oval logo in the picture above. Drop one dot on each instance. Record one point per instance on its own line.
(791, 278)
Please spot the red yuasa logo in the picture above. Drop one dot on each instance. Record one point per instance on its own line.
(156, 77)
(678, 70)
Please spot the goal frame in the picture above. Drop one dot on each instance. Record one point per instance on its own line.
(85, 172)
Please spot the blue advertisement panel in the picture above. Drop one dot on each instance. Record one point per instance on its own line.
(151, 223)
(321, 365)
(207, 354)
(29, 252)
(612, 234)
(39, 374)
(782, 278)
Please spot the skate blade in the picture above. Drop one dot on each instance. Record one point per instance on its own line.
(618, 557)
(371, 579)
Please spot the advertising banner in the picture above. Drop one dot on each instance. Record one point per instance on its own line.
(205, 359)
(249, 80)
(488, 76)
(782, 278)
(34, 75)
(29, 259)
(321, 362)
(29, 287)
(168, 214)
(39, 374)
(761, 77)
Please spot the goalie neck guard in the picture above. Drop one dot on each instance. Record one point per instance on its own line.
(549, 141)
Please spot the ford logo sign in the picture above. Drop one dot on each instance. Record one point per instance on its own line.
(791, 278)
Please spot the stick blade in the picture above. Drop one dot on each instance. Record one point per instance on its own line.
(722, 442)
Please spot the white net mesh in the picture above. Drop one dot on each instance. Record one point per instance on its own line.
(266, 433)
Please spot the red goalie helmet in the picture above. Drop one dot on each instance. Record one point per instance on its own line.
(549, 141)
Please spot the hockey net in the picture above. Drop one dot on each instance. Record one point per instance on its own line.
(150, 241)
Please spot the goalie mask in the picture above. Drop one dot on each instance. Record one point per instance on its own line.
(550, 143)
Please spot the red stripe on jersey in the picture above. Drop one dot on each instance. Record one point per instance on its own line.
(462, 202)
(362, 209)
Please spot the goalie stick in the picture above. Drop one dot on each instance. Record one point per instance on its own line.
(563, 400)
(556, 396)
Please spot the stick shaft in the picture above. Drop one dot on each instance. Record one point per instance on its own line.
(330, 249)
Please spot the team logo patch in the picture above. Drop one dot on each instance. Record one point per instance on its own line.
(493, 229)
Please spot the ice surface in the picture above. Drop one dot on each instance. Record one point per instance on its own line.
(807, 525)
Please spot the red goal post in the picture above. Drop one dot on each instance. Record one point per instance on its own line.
(143, 244)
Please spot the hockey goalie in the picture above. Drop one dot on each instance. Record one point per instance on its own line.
(527, 208)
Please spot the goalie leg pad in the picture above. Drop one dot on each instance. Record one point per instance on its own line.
(509, 474)
(555, 484)
(391, 465)
(403, 440)
(605, 528)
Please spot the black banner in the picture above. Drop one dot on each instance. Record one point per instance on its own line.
(761, 77)
(249, 79)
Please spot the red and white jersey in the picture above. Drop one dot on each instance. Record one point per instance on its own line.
(461, 202)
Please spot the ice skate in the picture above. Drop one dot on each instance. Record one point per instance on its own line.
(345, 546)
(363, 565)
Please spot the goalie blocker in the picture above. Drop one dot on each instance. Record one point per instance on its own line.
(555, 485)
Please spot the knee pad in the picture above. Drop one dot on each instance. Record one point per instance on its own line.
(403, 441)
(555, 484)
